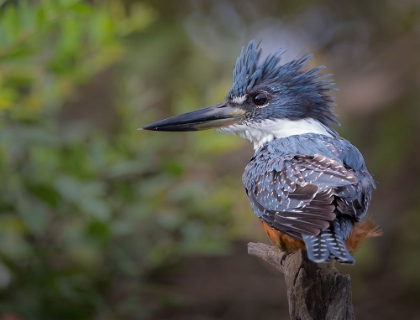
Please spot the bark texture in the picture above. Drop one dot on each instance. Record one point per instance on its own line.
(314, 293)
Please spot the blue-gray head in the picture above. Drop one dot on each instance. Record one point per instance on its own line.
(267, 101)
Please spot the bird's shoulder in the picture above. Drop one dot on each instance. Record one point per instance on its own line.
(309, 159)
(279, 151)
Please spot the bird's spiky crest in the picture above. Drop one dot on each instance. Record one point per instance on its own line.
(288, 79)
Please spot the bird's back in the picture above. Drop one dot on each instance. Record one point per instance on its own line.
(311, 189)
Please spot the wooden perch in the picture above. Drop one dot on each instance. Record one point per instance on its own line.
(313, 292)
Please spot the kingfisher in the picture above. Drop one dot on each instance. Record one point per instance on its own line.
(308, 186)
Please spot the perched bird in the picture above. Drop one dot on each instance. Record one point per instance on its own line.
(309, 187)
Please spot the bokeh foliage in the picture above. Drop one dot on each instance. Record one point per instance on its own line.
(87, 217)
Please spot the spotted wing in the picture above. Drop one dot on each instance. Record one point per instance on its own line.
(298, 194)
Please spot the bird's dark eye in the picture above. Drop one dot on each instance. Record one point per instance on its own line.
(260, 99)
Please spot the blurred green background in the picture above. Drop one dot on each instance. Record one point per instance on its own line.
(101, 221)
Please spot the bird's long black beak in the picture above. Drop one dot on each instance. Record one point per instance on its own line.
(216, 116)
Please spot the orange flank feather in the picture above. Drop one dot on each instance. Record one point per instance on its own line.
(284, 242)
(360, 231)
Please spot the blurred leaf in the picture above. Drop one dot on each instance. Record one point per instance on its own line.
(86, 215)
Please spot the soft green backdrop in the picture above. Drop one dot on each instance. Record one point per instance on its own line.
(96, 216)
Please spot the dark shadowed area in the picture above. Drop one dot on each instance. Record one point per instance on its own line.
(101, 221)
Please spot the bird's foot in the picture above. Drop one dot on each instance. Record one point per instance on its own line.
(331, 264)
(284, 254)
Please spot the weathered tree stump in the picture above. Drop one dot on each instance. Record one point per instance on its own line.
(314, 293)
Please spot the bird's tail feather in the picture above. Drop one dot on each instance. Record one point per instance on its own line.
(329, 243)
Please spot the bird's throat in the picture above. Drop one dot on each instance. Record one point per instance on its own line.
(265, 131)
